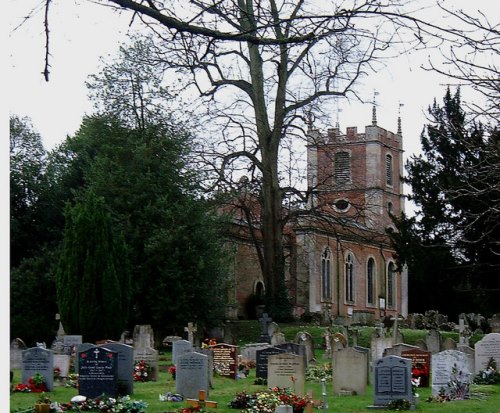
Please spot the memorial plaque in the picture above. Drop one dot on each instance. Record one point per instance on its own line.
(392, 380)
(97, 369)
(420, 365)
(225, 359)
(38, 360)
(261, 363)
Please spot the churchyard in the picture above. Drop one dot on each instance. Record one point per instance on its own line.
(293, 356)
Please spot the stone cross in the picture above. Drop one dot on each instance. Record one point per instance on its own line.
(201, 402)
(463, 340)
(264, 321)
(395, 328)
(191, 329)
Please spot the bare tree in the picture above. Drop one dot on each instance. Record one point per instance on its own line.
(259, 66)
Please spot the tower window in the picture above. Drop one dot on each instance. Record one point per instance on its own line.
(342, 164)
(370, 281)
(388, 169)
(391, 285)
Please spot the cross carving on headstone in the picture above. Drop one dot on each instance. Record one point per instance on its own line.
(264, 321)
(201, 402)
(191, 329)
(96, 352)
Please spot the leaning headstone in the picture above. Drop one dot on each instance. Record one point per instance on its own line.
(303, 337)
(97, 372)
(149, 356)
(225, 358)
(451, 374)
(262, 358)
(392, 380)
(286, 370)
(180, 347)
(350, 371)
(191, 374)
(449, 344)
(125, 369)
(38, 360)
(397, 349)
(487, 348)
(420, 364)
(433, 341)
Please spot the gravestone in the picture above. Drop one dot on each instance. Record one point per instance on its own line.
(420, 364)
(71, 343)
(16, 351)
(286, 370)
(392, 380)
(62, 362)
(190, 330)
(368, 361)
(97, 372)
(169, 340)
(421, 344)
(262, 359)
(470, 352)
(350, 371)
(487, 348)
(150, 356)
(397, 349)
(79, 349)
(180, 347)
(433, 341)
(209, 353)
(449, 344)
(264, 322)
(277, 339)
(339, 342)
(303, 337)
(299, 349)
(143, 336)
(38, 360)
(451, 365)
(249, 351)
(327, 335)
(191, 374)
(494, 323)
(225, 360)
(378, 345)
(273, 328)
(125, 369)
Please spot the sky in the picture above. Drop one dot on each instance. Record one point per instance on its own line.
(82, 32)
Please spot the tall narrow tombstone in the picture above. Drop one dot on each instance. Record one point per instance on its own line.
(125, 369)
(191, 374)
(38, 360)
(264, 322)
(486, 349)
(180, 347)
(262, 358)
(225, 359)
(286, 370)
(392, 380)
(451, 366)
(420, 364)
(149, 356)
(350, 371)
(97, 372)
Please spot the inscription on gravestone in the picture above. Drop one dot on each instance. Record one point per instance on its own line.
(225, 359)
(97, 369)
(392, 379)
(262, 358)
(192, 374)
(38, 360)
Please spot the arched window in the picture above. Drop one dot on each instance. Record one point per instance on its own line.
(349, 278)
(259, 289)
(388, 169)
(370, 281)
(342, 165)
(326, 278)
(391, 285)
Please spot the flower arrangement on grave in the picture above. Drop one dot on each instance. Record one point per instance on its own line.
(172, 370)
(415, 382)
(318, 372)
(399, 405)
(57, 373)
(36, 384)
(72, 380)
(141, 371)
(103, 404)
(489, 375)
(208, 342)
(267, 401)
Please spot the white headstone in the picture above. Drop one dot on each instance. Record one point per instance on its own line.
(451, 366)
(485, 349)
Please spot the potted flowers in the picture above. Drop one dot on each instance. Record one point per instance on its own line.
(43, 404)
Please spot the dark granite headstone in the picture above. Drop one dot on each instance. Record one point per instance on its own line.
(262, 359)
(392, 380)
(125, 369)
(98, 372)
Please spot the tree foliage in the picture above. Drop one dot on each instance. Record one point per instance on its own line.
(93, 274)
(456, 184)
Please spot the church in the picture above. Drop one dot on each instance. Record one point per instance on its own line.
(340, 266)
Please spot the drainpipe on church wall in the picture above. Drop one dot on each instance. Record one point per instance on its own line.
(339, 295)
(383, 287)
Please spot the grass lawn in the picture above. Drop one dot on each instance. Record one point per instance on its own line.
(486, 399)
